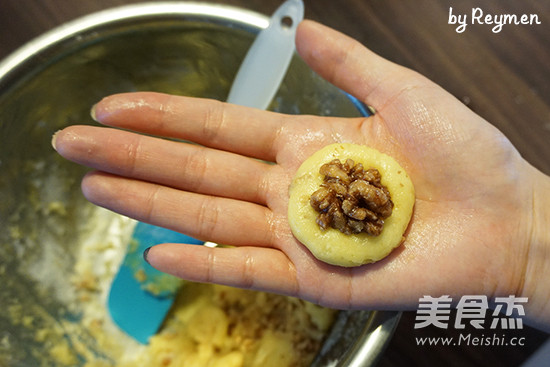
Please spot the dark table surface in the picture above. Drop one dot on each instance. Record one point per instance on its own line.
(504, 77)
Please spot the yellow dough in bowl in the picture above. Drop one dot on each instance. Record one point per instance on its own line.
(331, 245)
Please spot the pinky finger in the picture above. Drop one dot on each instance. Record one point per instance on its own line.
(263, 269)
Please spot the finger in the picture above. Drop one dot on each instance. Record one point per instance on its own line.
(204, 217)
(238, 129)
(263, 269)
(175, 164)
(350, 66)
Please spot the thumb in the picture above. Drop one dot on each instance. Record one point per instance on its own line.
(350, 66)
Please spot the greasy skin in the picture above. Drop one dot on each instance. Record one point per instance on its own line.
(331, 245)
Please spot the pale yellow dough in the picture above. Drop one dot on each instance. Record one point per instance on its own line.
(331, 245)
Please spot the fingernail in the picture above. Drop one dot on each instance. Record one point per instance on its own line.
(92, 112)
(54, 138)
(145, 254)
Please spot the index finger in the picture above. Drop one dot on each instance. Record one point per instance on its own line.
(211, 123)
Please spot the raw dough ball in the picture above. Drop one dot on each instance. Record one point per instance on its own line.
(331, 245)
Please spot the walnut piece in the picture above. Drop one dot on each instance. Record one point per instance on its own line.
(351, 199)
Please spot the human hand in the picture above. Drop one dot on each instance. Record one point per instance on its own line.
(471, 231)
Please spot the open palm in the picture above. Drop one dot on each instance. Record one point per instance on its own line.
(464, 237)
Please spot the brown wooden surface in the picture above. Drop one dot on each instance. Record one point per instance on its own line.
(504, 77)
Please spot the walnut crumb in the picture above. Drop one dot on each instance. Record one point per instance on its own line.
(351, 199)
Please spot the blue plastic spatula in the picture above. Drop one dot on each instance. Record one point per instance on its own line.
(140, 295)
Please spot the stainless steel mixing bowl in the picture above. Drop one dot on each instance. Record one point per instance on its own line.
(183, 48)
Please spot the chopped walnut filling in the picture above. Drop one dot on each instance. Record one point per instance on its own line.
(351, 199)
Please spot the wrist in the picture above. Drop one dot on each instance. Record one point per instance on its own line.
(536, 282)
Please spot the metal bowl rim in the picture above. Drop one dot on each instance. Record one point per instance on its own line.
(73, 29)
